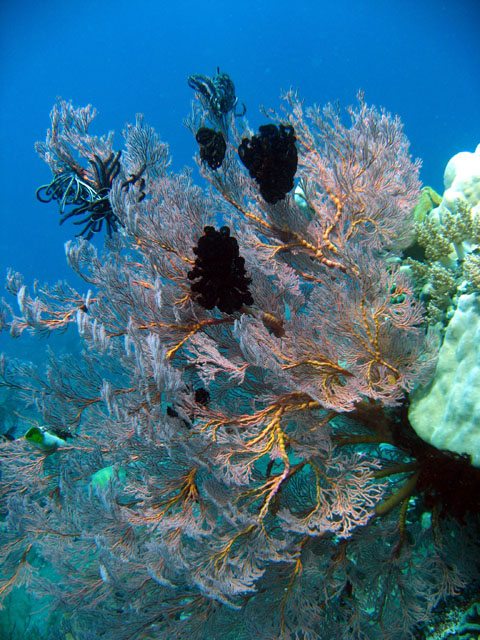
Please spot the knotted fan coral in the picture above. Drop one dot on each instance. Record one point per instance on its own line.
(85, 188)
(212, 396)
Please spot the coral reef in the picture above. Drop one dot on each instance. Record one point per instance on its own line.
(450, 236)
(447, 411)
(238, 463)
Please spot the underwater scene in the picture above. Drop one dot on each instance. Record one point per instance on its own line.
(240, 320)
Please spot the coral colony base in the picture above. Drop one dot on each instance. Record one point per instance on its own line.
(229, 455)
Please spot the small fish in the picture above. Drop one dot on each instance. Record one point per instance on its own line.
(8, 435)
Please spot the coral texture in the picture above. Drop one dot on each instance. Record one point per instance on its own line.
(233, 501)
(450, 236)
(447, 411)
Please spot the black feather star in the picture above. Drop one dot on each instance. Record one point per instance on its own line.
(90, 196)
(271, 159)
(219, 272)
(212, 146)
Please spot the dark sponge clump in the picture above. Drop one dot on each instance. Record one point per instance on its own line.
(220, 272)
(271, 159)
(212, 146)
(202, 396)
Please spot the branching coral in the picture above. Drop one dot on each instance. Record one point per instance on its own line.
(450, 236)
(232, 508)
(87, 188)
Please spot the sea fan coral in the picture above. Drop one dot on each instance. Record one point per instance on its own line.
(212, 395)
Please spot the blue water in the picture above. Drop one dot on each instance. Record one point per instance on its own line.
(418, 58)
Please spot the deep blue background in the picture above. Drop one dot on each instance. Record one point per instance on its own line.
(418, 58)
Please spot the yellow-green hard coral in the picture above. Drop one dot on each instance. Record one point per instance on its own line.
(428, 200)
